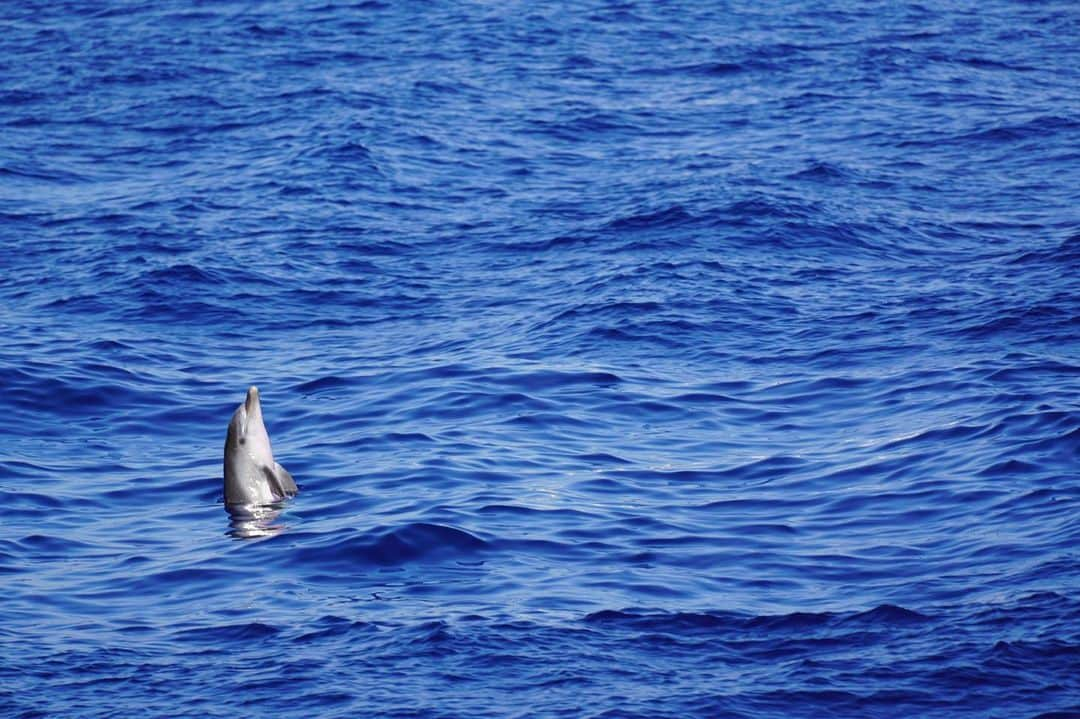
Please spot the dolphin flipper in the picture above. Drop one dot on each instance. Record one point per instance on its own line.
(285, 480)
(279, 481)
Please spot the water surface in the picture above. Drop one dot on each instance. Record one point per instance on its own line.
(633, 359)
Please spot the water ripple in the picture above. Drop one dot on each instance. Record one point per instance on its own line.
(633, 360)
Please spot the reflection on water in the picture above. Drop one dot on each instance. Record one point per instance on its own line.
(250, 521)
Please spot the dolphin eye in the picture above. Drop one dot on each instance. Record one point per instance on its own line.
(241, 440)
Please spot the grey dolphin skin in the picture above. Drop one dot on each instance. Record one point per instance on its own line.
(252, 477)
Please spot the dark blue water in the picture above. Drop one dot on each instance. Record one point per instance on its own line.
(634, 359)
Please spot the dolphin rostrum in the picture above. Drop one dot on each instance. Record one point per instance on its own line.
(252, 477)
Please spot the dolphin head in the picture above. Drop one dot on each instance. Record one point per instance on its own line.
(252, 477)
(247, 433)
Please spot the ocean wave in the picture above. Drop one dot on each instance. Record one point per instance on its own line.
(631, 360)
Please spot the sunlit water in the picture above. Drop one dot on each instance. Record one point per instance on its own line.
(633, 359)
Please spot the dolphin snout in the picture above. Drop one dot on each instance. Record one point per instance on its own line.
(251, 404)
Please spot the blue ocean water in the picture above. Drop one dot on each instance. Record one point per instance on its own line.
(688, 359)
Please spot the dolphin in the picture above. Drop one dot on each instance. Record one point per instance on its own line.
(252, 477)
